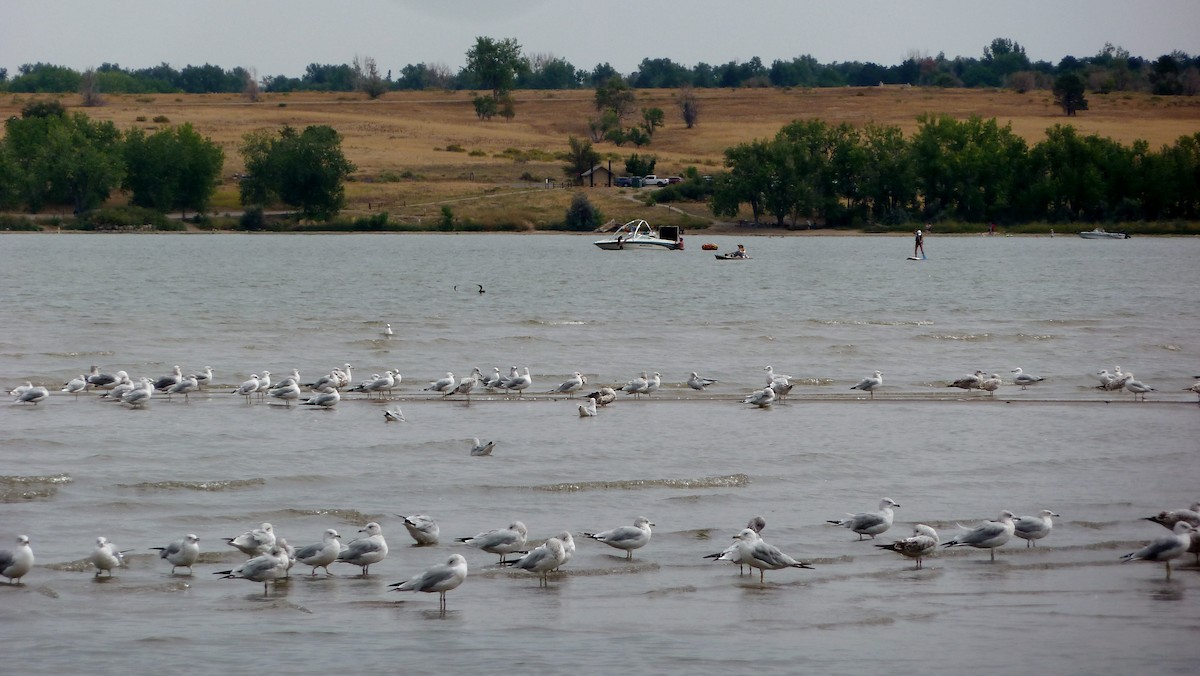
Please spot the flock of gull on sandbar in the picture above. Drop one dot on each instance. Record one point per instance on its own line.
(272, 557)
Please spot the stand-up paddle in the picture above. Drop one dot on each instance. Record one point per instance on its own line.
(918, 247)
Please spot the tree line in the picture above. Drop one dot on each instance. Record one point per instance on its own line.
(1003, 63)
(972, 170)
(51, 157)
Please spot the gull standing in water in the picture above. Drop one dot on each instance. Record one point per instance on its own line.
(204, 377)
(870, 523)
(990, 385)
(1168, 518)
(17, 563)
(321, 554)
(423, 529)
(165, 382)
(443, 385)
(467, 384)
(988, 535)
(21, 389)
(636, 387)
(438, 579)
(969, 382)
(33, 395)
(183, 552)
(365, 550)
(264, 568)
(653, 383)
(732, 553)
(75, 385)
(781, 385)
(698, 383)
(288, 391)
(627, 538)
(542, 559)
(1024, 379)
(327, 398)
(870, 384)
(1033, 528)
(1137, 387)
(106, 556)
(248, 387)
(761, 398)
(254, 542)
(502, 541)
(756, 553)
(923, 541)
(1165, 548)
(520, 383)
(569, 386)
(139, 396)
(387, 331)
(184, 386)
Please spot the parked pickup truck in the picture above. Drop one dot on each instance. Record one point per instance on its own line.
(654, 180)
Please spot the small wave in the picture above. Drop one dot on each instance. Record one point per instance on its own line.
(1027, 336)
(36, 479)
(347, 515)
(727, 481)
(555, 322)
(72, 355)
(968, 337)
(872, 322)
(869, 622)
(26, 488)
(214, 485)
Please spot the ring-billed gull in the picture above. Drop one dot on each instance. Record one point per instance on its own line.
(264, 568)
(1137, 387)
(248, 387)
(119, 390)
(423, 529)
(1168, 518)
(104, 381)
(184, 386)
(494, 381)
(165, 382)
(254, 542)
(520, 383)
(988, 535)
(969, 382)
(569, 386)
(1033, 528)
(440, 579)
(653, 383)
(183, 552)
(698, 383)
(627, 538)
(761, 398)
(204, 377)
(387, 331)
(870, 384)
(288, 391)
(33, 395)
(326, 398)
(393, 415)
(732, 553)
(321, 554)
(106, 556)
(444, 385)
(1025, 379)
(870, 523)
(479, 448)
(542, 559)
(16, 563)
(923, 541)
(139, 396)
(75, 385)
(1165, 548)
(469, 383)
(21, 389)
(588, 408)
(501, 541)
(756, 553)
(568, 543)
(365, 550)
(636, 387)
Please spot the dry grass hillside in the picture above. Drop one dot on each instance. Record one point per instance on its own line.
(418, 151)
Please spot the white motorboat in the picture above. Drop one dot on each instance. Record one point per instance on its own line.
(637, 234)
(1101, 233)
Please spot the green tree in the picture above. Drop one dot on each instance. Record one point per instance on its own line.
(888, 183)
(63, 158)
(615, 95)
(652, 118)
(582, 215)
(745, 182)
(639, 165)
(175, 168)
(1068, 93)
(494, 65)
(305, 170)
(580, 157)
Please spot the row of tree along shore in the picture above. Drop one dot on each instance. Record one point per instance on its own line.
(812, 172)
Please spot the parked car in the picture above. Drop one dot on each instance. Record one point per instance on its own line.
(623, 182)
(674, 179)
(653, 180)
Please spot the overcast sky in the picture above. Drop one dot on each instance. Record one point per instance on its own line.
(281, 37)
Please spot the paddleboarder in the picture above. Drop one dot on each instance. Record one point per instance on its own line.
(919, 245)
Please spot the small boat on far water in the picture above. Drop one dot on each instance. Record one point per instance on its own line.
(637, 234)
(1101, 233)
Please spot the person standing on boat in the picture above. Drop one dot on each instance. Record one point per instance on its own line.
(919, 245)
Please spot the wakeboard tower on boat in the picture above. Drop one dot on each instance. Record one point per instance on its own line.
(637, 234)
